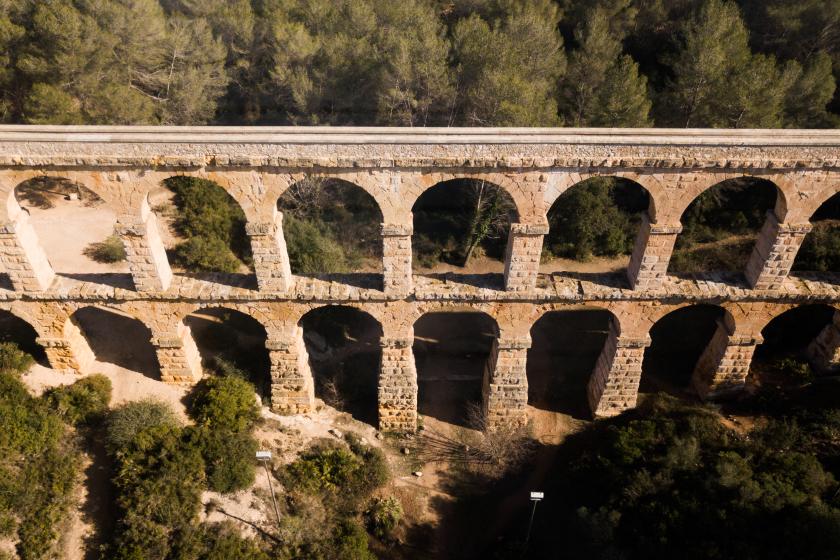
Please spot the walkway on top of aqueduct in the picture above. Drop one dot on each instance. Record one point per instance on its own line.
(122, 165)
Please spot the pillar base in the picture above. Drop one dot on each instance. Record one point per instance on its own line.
(522, 256)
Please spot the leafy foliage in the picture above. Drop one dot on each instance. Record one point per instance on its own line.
(111, 250)
(84, 401)
(39, 470)
(13, 361)
(383, 515)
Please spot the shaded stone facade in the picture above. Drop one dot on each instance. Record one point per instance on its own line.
(255, 166)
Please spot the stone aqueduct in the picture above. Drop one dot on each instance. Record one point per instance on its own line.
(395, 166)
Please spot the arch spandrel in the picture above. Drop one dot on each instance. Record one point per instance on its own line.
(558, 183)
(523, 189)
(812, 191)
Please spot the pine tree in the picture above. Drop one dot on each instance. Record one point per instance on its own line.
(718, 81)
(508, 67)
(603, 87)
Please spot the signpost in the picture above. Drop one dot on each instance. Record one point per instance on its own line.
(264, 457)
(535, 498)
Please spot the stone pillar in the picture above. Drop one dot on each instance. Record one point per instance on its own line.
(614, 385)
(724, 364)
(178, 357)
(271, 260)
(397, 386)
(505, 388)
(522, 257)
(774, 253)
(649, 262)
(292, 387)
(24, 260)
(396, 259)
(145, 253)
(824, 351)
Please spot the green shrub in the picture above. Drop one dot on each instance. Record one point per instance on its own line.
(313, 249)
(383, 515)
(351, 541)
(222, 541)
(348, 474)
(225, 403)
(13, 360)
(595, 219)
(84, 401)
(207, 254)
(228, 457)
(798, 370)
(111, 250)
(213, 224)
(127, 421)
(821, 249)
(38, 471)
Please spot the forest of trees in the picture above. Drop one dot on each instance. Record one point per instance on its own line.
(702, 63)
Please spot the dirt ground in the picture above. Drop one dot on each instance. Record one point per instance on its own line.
(67, 229)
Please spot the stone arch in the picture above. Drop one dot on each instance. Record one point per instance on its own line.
(452, 369)
(114, 336)
(743, 231)
(631, 198)
(352, 211)
(18, 327)
(566, 343)
(805, 333)
(679, 338)
(562, 182)
(420, 184)
(231, 336)
(344, 354)
(442, 216)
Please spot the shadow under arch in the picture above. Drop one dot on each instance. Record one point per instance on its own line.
(343, 345)
(820, 250)
(565, 346)
(721, 226)
(789, 334)
(331, 226)
(451, 353)
(678, 339)
(118, 338)
(458, 220)
(232, 343)
(19, 331)
(593, 225)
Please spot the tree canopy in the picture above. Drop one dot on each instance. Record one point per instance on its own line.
(715, 63)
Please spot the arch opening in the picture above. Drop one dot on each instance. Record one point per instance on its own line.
(820, 250)
(202, 228)
(565, 346)
(721, 225)
(593, 226)
(76, 229)
(344, 355)
(462, 225)
(331, 226)
(232, 343)
(677, 341)
(118, 339)
(17, 331)
(783, 357)
(451, 353)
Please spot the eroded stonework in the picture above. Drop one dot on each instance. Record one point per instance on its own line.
(395, 166)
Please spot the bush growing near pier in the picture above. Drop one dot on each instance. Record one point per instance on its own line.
(84, 401)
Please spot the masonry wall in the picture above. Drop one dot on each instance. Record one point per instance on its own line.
(395, 167)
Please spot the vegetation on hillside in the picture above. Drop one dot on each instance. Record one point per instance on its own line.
(718, 63)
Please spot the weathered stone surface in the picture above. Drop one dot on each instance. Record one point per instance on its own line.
(396, 166)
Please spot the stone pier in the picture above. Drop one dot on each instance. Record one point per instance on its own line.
(505, 388)
(614, 385)
(522, 256)
(292, 386)
(396, 259)
(648, 266)
(397, 385)
(177, 355)
(23, 258)
(774, 253)
(271, 259)
(145, 252)
(725, 363)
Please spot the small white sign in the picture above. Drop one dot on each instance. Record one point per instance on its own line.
(537, 495)
(263, 455)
